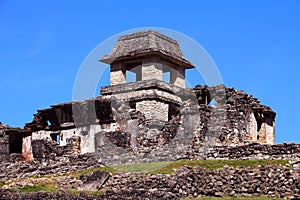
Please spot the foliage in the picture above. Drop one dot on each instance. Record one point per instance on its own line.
(151, 168)
(37, 188)
(168, 167)
(2, 183)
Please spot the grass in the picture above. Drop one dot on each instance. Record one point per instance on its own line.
(2, 183)
(37, 188)
(168, 167)
(88, 171)
(150, 168)
(142, 167)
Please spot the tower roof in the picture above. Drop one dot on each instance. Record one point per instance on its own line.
(146, 43)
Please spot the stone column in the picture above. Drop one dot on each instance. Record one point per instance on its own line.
(117, 74)
(178, 77)
(270, 131)
(252, 128)
(266, 134)
(27, 148)
(152, 69)
(133, 129)
(138, 72)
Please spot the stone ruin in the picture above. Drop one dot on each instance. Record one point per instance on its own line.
(149, 119)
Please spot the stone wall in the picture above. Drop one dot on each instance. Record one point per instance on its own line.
(154, 110)
(152, 69)
(177, 77)
(47, 166)
(117, 74)
(236, 118)
(110, 195)
(239, 116)
(45, 149)
(4, 142)
(256, 151)
(115, 153)
(269, 181)
(265, 181)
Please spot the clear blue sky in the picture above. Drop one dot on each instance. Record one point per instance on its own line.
(255, 44)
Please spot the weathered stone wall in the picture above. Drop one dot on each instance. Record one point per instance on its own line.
(149, 97)
(256, 151)
(150, 142)
(177, 77)
(142, 95)
(154, 110)
(110, 195)
(27, 148)
(46, 166)
(117, 74)
(50, 150)
(268, 181)
(4, 142)
(236, 118)
(236, 124)
(117, 150)
(152, 69)
(271, 181)
(135, 86)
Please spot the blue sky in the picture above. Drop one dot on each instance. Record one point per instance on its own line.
(255, 45)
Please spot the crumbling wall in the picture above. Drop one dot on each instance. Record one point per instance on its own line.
(263, 181)
(153, 109)
(4, 142)
(27, 148)
(188, 123)
(68, 115)
(45, 149)
(267, 181)
(236, 117)
(15, 144)
(254, 151)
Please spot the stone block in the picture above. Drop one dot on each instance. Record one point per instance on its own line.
(178, 77)
(152, 69)
(153, 109)
(117, 74)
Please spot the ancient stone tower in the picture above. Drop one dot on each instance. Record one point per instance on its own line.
(149, 55)
(152, 112)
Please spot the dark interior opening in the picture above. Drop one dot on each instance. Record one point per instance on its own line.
(269, 120)
(259, 123)
(132, 105)
(15, 143)
(55, 137)
(173, 111)
(84, 133)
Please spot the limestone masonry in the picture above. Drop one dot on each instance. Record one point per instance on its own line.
(150, 119)
(146, 120)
